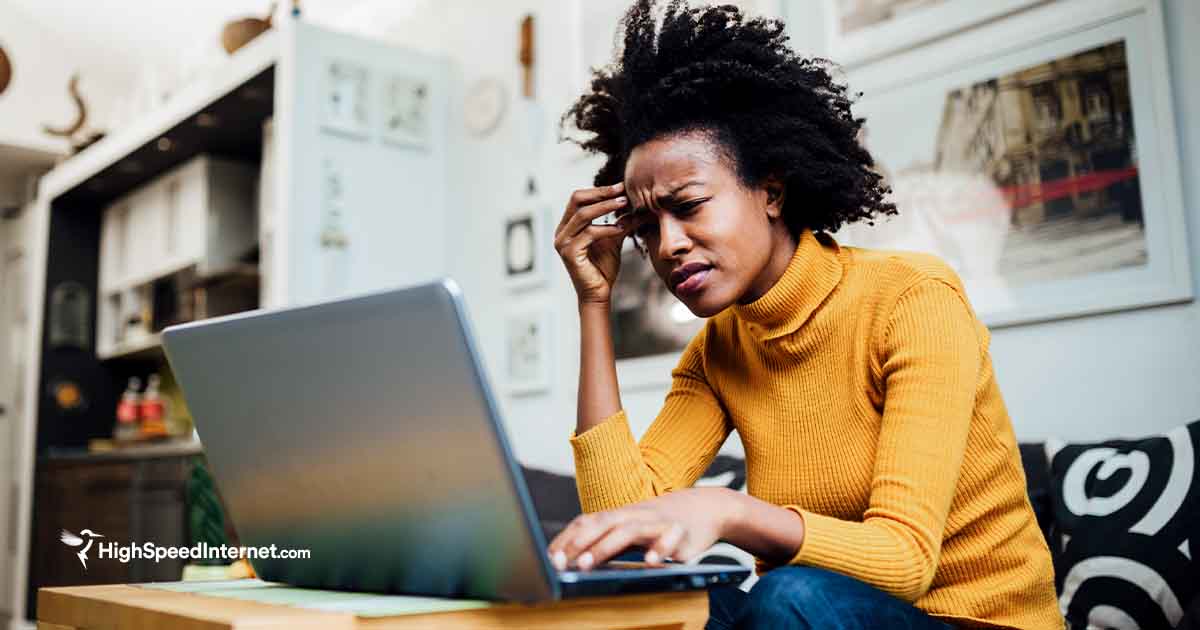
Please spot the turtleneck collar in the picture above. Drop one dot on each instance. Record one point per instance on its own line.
(812, 274)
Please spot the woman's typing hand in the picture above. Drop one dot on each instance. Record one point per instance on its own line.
(678, 526)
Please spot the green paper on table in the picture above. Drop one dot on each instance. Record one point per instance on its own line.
(359, 604)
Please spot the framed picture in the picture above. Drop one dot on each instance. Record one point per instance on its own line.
(862, 30)
(404, 113)
(527, 361)
(345, 100)
(650, 326)
(1040, 161)
(525, 249)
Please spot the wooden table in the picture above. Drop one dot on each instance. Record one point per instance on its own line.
(126, 606)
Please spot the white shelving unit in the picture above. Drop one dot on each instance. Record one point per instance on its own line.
(351, 188)
(198, 217)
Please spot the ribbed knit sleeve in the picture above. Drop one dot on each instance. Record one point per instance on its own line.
(612, 470)
(931, 357)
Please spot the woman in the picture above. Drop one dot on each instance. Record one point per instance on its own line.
(885, 487)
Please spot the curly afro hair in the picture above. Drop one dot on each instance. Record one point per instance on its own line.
(771, 112)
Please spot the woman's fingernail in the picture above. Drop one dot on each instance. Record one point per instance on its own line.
(585, 560)
(652, 557)
(559, 560)
(618, 185)
(622, 200)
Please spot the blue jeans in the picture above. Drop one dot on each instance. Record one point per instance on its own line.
(804, 597)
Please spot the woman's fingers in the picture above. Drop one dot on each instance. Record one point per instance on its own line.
(578, 535)
(577, 246)
(584, 216)
(619, 538)
(593, 539)
(587, 196)
(666, 545)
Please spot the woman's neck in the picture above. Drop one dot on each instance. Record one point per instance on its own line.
(783, 248)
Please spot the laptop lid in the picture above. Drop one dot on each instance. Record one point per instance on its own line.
(365, 431)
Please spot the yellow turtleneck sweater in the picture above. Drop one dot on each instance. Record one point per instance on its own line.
(862, 389)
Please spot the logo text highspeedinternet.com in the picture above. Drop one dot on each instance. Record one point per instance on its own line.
(201, 551)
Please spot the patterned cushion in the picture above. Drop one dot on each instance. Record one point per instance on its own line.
(1126, 517)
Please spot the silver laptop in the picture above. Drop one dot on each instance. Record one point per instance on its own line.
(364, 431)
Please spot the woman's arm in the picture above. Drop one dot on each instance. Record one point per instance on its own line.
(613, 470)
(599, 395)
(932, 356)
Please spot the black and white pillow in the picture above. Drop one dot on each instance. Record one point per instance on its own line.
(1127, 523)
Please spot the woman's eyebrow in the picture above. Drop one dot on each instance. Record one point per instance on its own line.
(669, 196)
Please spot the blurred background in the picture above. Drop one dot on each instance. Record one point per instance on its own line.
(168, 161)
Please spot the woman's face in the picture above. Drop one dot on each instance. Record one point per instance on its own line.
(712, 241)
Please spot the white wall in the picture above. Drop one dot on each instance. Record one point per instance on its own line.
(42, 66)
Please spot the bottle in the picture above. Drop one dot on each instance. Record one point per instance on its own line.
(128, 411)
(153, 411)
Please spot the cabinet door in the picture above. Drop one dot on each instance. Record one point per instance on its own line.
(182, 236)
(114, 264)
(143, 235)
(74, 497)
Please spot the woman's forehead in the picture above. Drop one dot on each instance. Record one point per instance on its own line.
(663, 166)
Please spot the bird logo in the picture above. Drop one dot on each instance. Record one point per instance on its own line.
(74, 541)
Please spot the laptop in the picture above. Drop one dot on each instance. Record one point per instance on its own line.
(364, 431)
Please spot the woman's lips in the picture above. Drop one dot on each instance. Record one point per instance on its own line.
(693, 284)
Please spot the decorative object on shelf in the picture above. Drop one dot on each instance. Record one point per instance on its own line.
(70, 313)
(528, 354)
(862, 30)
(1046, 172)
(128, 412)
(525, 244)
(484, 106)
(238, 33)
(345, 107)
(153, 410)
(405, 111)
(6, 71)
(75, 133)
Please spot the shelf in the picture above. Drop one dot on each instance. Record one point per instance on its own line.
(144, 278)
(147, 348)
(239, 273)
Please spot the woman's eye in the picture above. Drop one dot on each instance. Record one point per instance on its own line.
(685, 209)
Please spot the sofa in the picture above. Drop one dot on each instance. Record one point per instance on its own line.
(1109, 470)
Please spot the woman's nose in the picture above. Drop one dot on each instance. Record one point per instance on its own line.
(673, 240)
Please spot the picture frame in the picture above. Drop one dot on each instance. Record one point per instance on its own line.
(346, 98)
(404, 114)
(525, 248)
(1073, 137)
(528, 351)
(650, 325)
(860, 31)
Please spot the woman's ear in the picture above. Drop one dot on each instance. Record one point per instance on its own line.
(776, 191)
